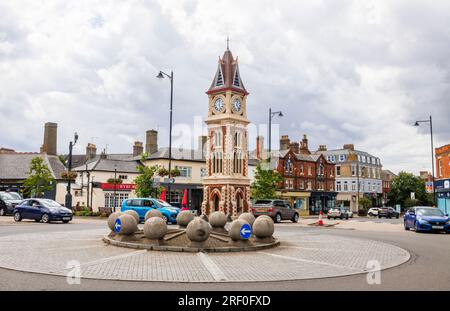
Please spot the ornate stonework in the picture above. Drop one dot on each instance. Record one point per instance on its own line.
(227, 186)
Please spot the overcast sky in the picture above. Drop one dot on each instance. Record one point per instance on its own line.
(356, 72)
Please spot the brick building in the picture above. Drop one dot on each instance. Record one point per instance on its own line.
(308, 179)
(442, 180)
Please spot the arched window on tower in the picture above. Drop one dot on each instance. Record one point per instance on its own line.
(217, 139)
(237, 162)
(217, 162)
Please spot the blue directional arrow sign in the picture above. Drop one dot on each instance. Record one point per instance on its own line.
(246, 231)
(118, 225)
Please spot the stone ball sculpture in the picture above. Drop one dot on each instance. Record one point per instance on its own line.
(248, 217)
(218, 219)
(184, 218)
(134, 214)
(126, 224)
(155, 228)
(204, 217)
(263, 226)
(153, 213)
(112, 220)
(198, 230)
(235, 229)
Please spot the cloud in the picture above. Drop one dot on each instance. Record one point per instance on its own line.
(348, 72)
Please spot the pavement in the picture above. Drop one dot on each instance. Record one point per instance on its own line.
(428, 262)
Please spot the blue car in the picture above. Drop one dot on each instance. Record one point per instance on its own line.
(426, 219)
(44, 210)
(143, 205)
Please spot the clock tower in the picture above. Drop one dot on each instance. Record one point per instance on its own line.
(226, 186)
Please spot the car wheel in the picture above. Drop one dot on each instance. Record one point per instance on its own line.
(398, 216)
(416, 227)
(277, 218)
(17, 216)
(370, 214)
(295, 219)
(65, 221)
(45, 218)
(406, 227)
(37, 220)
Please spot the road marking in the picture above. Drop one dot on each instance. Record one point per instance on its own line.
(211, 266)
(104, 260)
(312, 261)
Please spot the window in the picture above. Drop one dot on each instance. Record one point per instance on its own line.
(320, 171)
(123, 177)
(353, 170)
(338, 170)
(338, 186)
(217, 162)
(236, 80)
(309, 170)
(440, 167)
(289, 183)
(120, 196)
(309, 185)
(219, 81)
(288, 167)
(345, 186)
(237, 162)
(353, 185)
(342, 157)
(301, 168)
(202, 171)
(363, 169)
(237, 140)
(302, 184)
(217, 139)
(185, 171)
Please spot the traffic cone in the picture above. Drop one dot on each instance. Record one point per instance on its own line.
(320, 222)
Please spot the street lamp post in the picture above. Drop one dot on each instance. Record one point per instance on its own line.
(115, 182)
(430, 121)
(161, 76)
(68, 198)
(271, 115)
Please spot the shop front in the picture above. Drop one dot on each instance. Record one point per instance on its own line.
(194, 195)
(321, 201)
(298, 200)
(443, 195)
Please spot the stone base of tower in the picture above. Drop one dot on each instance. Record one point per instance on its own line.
(233, 200)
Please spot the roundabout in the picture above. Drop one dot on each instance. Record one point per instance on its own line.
(301, 255)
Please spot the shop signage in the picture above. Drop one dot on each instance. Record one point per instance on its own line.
(118, 187)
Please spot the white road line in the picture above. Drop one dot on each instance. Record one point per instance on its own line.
(104, 260)
(211, 266)
(313, 262)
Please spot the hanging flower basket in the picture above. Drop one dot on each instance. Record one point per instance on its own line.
(69, 175)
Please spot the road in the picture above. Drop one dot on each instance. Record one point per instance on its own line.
(428, 268)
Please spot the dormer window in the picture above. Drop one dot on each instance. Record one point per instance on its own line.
(219, 81)
(236, 80)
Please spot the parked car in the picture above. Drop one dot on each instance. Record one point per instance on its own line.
(44, 210)
(424, 218)
(388, 212)
(373, 211)
(348, 212)
(143, 205)
(8, 201)
(278, 210)
(338, 212)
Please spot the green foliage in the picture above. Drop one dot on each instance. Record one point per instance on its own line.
(144, 183)
(364, 203)
(40, 179)
(403, 185)
(62, 160)
(114, 181)
(265, 183)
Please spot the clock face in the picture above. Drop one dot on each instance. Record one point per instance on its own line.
(236, 104)
(218, 104)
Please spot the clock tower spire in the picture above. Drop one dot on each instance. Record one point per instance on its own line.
(227, 185)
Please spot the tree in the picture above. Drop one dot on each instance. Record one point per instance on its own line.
(265, 183)
(144, 182)
(40, 179)
(364, 203)
(403, 185)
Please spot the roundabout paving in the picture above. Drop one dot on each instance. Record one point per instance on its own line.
(301, 255)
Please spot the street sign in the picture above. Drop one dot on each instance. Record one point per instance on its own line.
(246, 231)
(117, 226)
(413, 195)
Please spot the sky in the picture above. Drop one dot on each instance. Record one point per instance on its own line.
(358, 72)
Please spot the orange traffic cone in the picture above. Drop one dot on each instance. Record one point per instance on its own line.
(320, 222)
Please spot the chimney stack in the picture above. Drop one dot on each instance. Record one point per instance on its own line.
(50, 138)
(151, 142)
(349, 147)
(138, 148)
(294, 147)
(322, 148)
(284, 142)
(259, 147)
(91, 151)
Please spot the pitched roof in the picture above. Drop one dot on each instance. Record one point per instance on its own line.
(227, 75)
(81, 159)
(109, 165)
(15, 166)
(179, 154)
